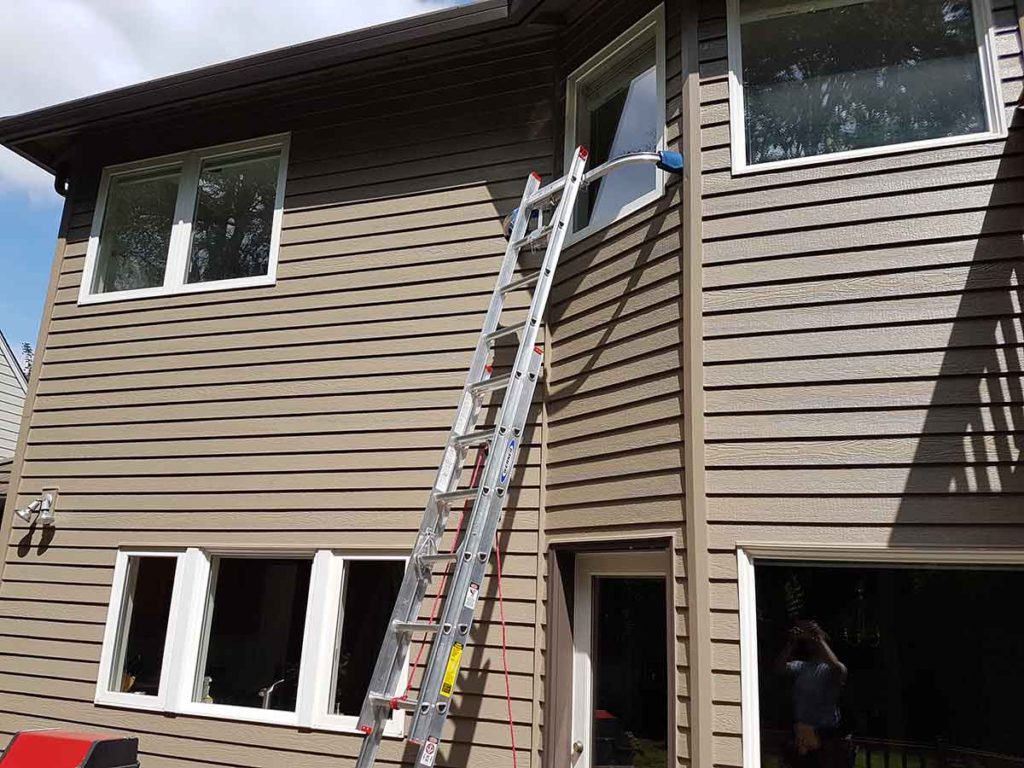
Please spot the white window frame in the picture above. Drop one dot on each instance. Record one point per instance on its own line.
(748, 554)
(651, 25)
(652, 563)
(191, 605)
(115, 620)
(180, 244)
(994, 108)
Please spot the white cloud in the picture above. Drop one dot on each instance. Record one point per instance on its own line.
(55, 50)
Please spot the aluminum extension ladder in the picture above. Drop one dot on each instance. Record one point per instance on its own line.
(502, 443)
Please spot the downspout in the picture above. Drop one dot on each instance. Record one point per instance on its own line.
(698, 583)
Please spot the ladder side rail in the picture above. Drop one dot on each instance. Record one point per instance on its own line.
(473, 546)
(431, 719)
(394, 647)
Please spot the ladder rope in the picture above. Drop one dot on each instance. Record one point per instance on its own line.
(504, 653)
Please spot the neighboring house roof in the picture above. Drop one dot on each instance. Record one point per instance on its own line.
(42, 136)
(13, 387)
(13, 362)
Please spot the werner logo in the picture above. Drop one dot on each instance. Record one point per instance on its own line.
(506, 463)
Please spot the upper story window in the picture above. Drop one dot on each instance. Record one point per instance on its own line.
(202, 220)
(615, 104)
(830, 79)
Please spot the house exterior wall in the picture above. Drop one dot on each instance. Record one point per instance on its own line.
(859, 353)
(862, 331)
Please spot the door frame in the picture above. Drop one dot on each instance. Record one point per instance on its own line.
(588, 565)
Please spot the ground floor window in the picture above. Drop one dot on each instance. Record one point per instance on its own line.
(283, 638)
(883, 665)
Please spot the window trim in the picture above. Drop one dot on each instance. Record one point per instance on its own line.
(181, 228)
(879, 555)
(112, 630)
(995, 110)
(652, 22)
(193, 587)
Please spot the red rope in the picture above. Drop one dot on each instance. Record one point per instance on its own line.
(504, 652)
(478, 467)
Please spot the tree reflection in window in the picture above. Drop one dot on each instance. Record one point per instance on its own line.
(234, 218)
(136, 232)
(851, 75)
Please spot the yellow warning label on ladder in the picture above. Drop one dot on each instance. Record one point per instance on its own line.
(452, 670)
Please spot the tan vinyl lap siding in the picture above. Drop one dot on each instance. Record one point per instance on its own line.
(318, 405)
(863, 336)
(614, 465)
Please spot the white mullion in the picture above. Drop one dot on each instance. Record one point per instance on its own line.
(314, 665)
(189, 628)
(181, 233)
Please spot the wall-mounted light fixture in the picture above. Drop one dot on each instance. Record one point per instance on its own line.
(42, 509)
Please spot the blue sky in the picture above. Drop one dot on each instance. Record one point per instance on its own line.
(106, 44)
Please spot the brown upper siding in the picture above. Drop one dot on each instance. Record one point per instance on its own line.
(309, 414)
(862, 329)
(614, 446)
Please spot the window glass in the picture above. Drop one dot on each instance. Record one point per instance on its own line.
(136, 232)
(842, 75)
(234, 218)
(617, 113)
(371, 587)
(630, 669)
(139, 653)
(874, 666)
(254, 633)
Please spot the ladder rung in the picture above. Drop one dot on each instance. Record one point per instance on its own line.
(474, 438)
(534, 237)
(411, 627)
(458, 495)
(522, 282)
(491, 384)
(545, 193)
(384, 701)
(440, 557)
(505, 330)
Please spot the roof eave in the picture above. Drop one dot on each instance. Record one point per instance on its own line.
(61, 119)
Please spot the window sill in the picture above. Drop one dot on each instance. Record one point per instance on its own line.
(867, 153)
(178, 290)
(641, 202)
(395, 727)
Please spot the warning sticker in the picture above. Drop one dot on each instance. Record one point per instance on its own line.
(472, 595)
(451, 671)
(429, 752)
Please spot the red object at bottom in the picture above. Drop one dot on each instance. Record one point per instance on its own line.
(70, 749)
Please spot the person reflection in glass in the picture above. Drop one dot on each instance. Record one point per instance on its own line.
(817, 677)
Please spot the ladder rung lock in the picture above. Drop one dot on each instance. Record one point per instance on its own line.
(534, 237)
(491, 384)
(474, 438)
(393, 703)
(458, 495)
(505, 330)
(440, 557)
(544, 193)
(522, 282)
(412, 627)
